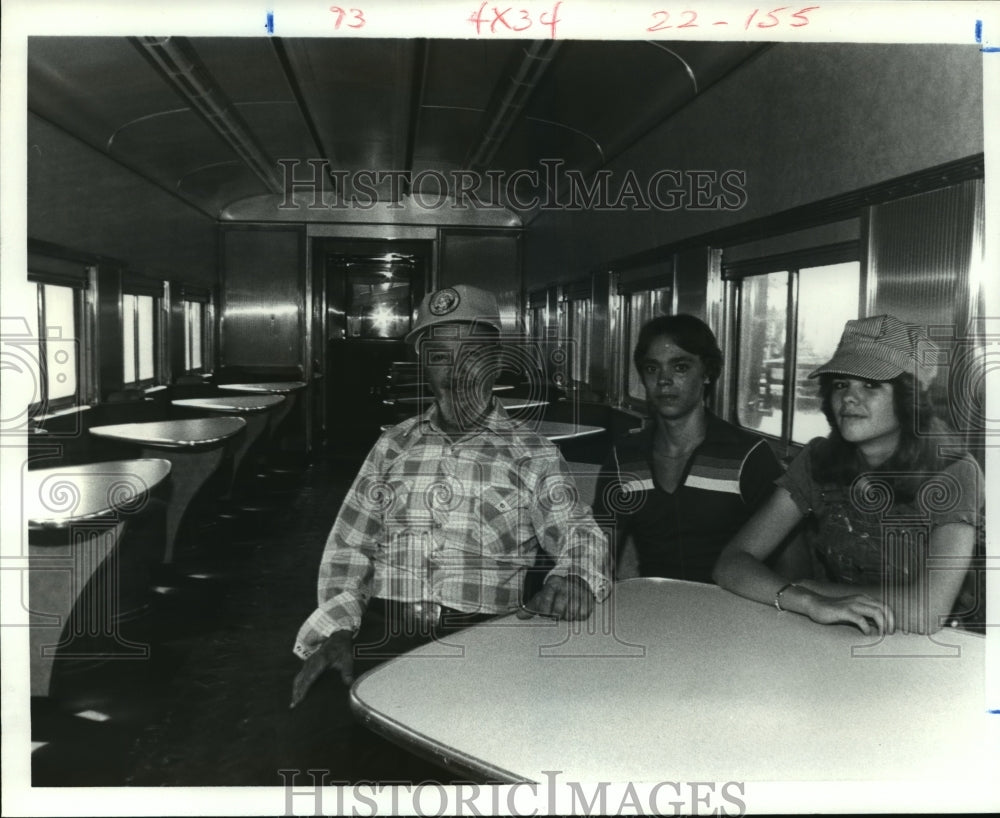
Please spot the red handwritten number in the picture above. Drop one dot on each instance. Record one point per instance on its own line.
(801, 15)
(553, 20)
(662, 24)
(357, 16)
(476, 18)
(522, 22)
(689, 23)
(774, 19)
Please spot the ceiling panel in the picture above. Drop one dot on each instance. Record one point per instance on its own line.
(207, 119)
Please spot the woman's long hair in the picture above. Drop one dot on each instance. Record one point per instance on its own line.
(838, 461)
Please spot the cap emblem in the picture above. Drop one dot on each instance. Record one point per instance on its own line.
(444, 301)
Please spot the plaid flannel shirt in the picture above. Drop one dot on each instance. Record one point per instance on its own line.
(452, 521)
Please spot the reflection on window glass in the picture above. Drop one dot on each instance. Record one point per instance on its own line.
(138, 338)
(60, 347)
(379, 304)
(763, 317)
(828, 299)
(640, 307)
(128, 337)
(193, 334)
(576, 332)
(538, 322)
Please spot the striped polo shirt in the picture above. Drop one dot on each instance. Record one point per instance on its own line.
(680, 534)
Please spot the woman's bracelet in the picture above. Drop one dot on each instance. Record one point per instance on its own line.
(777, 596)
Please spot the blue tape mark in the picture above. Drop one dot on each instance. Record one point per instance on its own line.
(270, 22)
(979, 39)
(994, 712)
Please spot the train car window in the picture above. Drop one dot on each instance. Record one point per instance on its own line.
(139, 340)
(830, 291)
(761, 372)
(538, 314)
(577, 314)
(60, 309)
(54, 307)
(789, 322)
(194, 336)
(55, 324)
(639, 307)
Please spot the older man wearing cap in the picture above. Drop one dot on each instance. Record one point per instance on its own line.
(448, 512)
(885, 497)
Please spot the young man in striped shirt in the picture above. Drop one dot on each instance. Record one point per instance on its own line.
(687, 480)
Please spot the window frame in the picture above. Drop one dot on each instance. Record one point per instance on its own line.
(537, 304)
(625, 293)
(203, 298)
(80, 278)
(140, 287)
(569, 296)
(793, 263)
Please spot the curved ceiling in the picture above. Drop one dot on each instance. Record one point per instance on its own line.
(220, 121)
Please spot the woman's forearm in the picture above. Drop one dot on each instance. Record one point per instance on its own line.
(744, 574)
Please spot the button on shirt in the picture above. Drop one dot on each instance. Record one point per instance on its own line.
(456, 521)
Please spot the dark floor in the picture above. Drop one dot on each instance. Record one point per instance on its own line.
(209, 706)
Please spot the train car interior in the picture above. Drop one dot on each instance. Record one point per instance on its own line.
(227, 238)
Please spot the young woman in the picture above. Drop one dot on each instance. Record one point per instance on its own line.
(882, 496)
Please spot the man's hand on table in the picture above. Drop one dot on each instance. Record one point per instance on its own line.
(561, 598)
(337, 651)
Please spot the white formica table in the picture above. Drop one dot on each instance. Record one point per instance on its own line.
(554, 430)
(550, 429)
(510, 404)
(258, 410)
(289, 389)
(195, 448)
(75, 524)
(266, 387)
(678, 681)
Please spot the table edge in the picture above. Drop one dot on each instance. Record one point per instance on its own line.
(173, 444)
(50, 523)
(414, 741)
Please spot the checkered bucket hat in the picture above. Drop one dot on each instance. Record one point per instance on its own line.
(881, 347)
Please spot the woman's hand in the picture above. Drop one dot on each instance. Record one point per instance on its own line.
(868, 614)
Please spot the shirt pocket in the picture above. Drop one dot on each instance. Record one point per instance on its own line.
(407, 524)
(503, 524)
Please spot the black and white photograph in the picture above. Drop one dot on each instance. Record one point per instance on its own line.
(473, 408)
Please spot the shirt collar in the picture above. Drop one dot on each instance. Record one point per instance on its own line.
(495, 420)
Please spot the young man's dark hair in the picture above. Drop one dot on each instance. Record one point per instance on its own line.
(689, 333)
